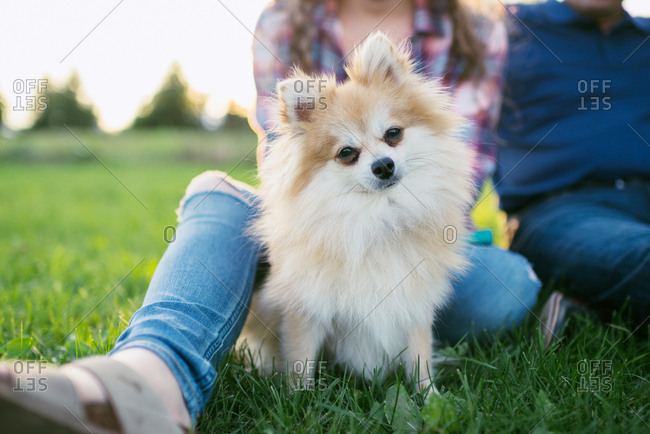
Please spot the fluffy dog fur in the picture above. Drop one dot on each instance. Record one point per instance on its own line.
(359, 264)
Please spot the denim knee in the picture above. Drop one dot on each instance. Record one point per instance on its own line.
(499, 288)
(524, 286)
(216, 181)
(513, 286)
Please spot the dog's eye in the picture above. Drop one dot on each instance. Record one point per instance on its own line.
(347, 155)
(392, 135)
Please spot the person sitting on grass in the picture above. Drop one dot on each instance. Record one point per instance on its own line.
(574, 168)
(161, 372)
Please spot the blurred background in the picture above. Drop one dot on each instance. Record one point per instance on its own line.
(116, 56)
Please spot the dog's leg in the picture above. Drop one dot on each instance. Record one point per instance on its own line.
(301, 341)
(418, 358)
(261, 333)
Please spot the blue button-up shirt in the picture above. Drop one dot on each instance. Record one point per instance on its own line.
(576, 105)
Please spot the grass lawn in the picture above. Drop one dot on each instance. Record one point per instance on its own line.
(70, 232)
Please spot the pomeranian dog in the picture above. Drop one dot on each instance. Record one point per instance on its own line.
(363, 204)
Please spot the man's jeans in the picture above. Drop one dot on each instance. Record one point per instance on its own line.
(593, 244)
(197, 301)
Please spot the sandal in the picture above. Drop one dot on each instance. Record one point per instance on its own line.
(44, 400)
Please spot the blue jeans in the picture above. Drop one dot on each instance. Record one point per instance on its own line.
(197, 301)
(594, 244)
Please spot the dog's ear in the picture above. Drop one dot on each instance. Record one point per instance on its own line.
(301, 96)
(378, 59)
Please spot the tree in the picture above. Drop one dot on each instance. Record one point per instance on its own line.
(64, 107)
(2, 107)
(173, 105)
(235, 118)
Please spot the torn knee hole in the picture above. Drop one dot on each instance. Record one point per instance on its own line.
(213, 181)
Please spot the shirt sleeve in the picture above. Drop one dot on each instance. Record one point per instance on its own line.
(271, 62)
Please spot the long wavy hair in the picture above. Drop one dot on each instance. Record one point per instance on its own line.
(466, 45)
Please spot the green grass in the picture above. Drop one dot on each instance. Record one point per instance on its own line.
(69, 232)
(504, 384)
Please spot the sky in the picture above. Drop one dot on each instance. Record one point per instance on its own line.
(122, 50)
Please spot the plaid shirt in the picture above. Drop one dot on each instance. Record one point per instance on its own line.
(477, 100)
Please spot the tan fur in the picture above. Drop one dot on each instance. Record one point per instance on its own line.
(357, 269)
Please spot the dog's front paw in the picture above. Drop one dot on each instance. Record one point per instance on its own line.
(428, 389)
(302, 375)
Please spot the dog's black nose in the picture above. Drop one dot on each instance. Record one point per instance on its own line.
(383, 168)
